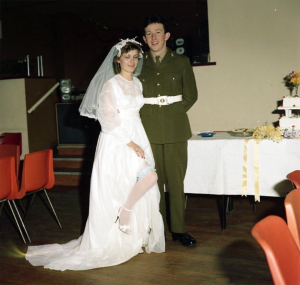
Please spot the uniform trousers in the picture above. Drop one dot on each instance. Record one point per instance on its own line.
(171, 163)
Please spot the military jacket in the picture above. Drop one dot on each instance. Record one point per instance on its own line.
(174, 76)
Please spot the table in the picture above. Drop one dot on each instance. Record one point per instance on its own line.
(225, 165)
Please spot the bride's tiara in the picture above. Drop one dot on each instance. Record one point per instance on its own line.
(122, 43)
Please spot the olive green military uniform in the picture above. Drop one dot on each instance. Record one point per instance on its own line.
(168, 127)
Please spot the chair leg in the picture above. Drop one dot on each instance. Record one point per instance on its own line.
(25, 230)
(29, 207)
(12, 211)
(53, 209)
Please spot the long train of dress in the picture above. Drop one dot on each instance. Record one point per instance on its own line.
(115, 171)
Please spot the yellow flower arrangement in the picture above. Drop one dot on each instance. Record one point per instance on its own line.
(293, 80)
(268, 132)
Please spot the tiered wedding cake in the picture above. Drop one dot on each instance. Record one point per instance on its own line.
(290, 123)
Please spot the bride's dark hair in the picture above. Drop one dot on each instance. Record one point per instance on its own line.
(125, 49)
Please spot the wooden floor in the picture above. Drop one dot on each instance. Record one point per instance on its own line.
(220, 257)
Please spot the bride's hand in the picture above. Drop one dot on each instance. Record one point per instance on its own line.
(137, 149)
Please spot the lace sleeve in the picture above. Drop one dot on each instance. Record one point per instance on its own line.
(108, 114)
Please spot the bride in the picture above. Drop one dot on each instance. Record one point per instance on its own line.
(124, 213)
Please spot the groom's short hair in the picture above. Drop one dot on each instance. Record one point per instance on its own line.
(153, 19)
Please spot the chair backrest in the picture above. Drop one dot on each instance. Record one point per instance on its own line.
(294, 177)
(8, 182)
(292, 209)
(12, 138)
(282, 253)
(38, 171)
(11, 150)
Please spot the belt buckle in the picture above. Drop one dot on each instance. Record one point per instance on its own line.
(162, 100)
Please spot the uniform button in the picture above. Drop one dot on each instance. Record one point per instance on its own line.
(173, 78)
(159, 106)
(158, 84)
(157, 73)
(158, 95)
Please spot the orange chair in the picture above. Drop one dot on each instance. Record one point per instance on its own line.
(13, 150)
(12, 138)
(38, 175)
(294, 177)
(292, 209)
(9, 190)
(283, 255)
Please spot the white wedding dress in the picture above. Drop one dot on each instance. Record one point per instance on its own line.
(115, 171)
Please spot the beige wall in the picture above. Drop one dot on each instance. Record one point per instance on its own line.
(254, 43)
(13, 117)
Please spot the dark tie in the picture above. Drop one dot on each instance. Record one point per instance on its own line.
(157, 62)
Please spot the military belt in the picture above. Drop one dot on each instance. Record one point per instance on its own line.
(163, 100)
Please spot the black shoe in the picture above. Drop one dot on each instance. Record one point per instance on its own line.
(184, 238)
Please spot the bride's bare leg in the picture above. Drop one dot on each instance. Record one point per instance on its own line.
(140, 188)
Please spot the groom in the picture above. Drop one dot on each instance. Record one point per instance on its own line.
(169, 89)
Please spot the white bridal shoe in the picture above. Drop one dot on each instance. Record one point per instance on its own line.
(123, 228)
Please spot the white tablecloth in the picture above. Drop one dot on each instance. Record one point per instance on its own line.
(215, 165)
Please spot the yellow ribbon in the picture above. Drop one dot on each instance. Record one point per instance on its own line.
(245, 169)
(256, 170)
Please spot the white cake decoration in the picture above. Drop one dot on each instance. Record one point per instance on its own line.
(290, 122)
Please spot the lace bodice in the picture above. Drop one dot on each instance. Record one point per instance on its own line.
(130, 88)
(118, 94)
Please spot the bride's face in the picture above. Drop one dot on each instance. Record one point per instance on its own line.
(128, 61)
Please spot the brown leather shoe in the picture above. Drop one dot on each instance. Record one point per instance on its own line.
(184, 238)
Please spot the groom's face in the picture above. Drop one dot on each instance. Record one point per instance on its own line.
(156, 38)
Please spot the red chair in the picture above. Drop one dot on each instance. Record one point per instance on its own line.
(12, 138)
(37, 176)
(294, 177)
(283, 255)
(292, 209)
(9, 190)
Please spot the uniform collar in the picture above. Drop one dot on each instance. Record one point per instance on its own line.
(167, 56)
(161, 57)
